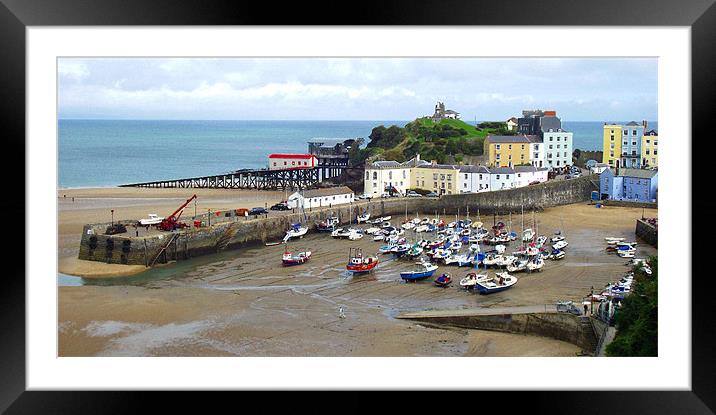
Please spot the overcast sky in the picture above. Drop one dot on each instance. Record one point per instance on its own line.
(356, 88)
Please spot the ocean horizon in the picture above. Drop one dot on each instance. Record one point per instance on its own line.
(111, 152)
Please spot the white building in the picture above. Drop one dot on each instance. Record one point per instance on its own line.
(537, 151)
(326, 197)
(511, 124)
(524, 175)
(558, 148)
(502, 178)
(598, 167)
(474, 179)
(380, 176)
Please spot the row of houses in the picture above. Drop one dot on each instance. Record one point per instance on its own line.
(540, 142)
(630, 145)
(391, 176)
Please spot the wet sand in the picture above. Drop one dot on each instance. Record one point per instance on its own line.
(245, 303)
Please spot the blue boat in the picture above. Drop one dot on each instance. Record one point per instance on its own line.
(501, 282)
(422, 271)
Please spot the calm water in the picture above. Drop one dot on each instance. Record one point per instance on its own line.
(97, 153)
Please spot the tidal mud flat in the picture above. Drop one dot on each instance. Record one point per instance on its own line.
(245, 303)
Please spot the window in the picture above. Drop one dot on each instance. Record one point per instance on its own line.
(497, 146)
(449, 177)
(612, 138)
(647, 152)
(435, 176)
(647, 141)
(375, 175)
(633, 132)
(404, 174)
(550, 139)
(442, 177)
(435, 184)
(654, 152)
(293, 163)
(497, 176)
(656, 143)
(284, 163)
(550, 146)
(367, 174)
(507, 177)
(510, 157)
(390, 175)
(509, 146)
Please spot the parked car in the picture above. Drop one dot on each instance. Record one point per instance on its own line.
(257, 211)
(364, 196)
(280, 206)
(534, 182)
(431, 194)
(413, 194)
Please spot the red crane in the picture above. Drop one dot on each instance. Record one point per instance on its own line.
(171, 222)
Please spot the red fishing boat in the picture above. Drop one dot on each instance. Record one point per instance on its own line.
(357, 263)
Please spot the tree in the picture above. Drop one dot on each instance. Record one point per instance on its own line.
(637, 318)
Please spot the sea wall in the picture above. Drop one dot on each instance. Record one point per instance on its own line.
(229, 232)
(647, 232)
(560, 326)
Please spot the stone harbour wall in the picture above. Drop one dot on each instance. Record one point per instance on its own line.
(238, 231)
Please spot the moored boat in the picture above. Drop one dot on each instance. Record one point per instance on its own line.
(357, 263)
(422, 270)
(295, 258)
(296, 231)
(500, 282)
(471, 280)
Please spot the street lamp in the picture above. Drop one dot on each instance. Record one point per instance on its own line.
(112, 210)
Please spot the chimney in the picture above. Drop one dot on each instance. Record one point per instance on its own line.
(417, 159)
(644, 124)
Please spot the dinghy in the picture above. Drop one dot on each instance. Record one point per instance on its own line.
(557, 254)
(557, 238)
(443, 280)
(501, 282)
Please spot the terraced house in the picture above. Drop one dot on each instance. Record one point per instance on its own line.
(650, 149)
(439, 178)
(507, 150)
(382, 176)
(623, 144)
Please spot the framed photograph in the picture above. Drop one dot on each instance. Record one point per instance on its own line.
(395, 204)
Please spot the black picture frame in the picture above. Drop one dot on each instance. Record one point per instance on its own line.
(16, 15)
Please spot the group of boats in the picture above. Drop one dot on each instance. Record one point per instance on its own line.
(460, 243)
(621, 248)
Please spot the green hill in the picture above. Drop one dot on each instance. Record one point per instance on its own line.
(446, 141)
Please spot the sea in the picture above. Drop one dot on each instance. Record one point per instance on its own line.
(106, 153)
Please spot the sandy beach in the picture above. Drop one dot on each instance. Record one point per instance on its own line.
(244, 303)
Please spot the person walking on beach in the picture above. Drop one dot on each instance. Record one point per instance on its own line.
(586, 308)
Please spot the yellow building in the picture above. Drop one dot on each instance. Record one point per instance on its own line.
(507, 150)
(438, 178)
(612, 149)
(650, 149)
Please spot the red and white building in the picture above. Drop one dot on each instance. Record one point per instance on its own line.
(292, 161)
